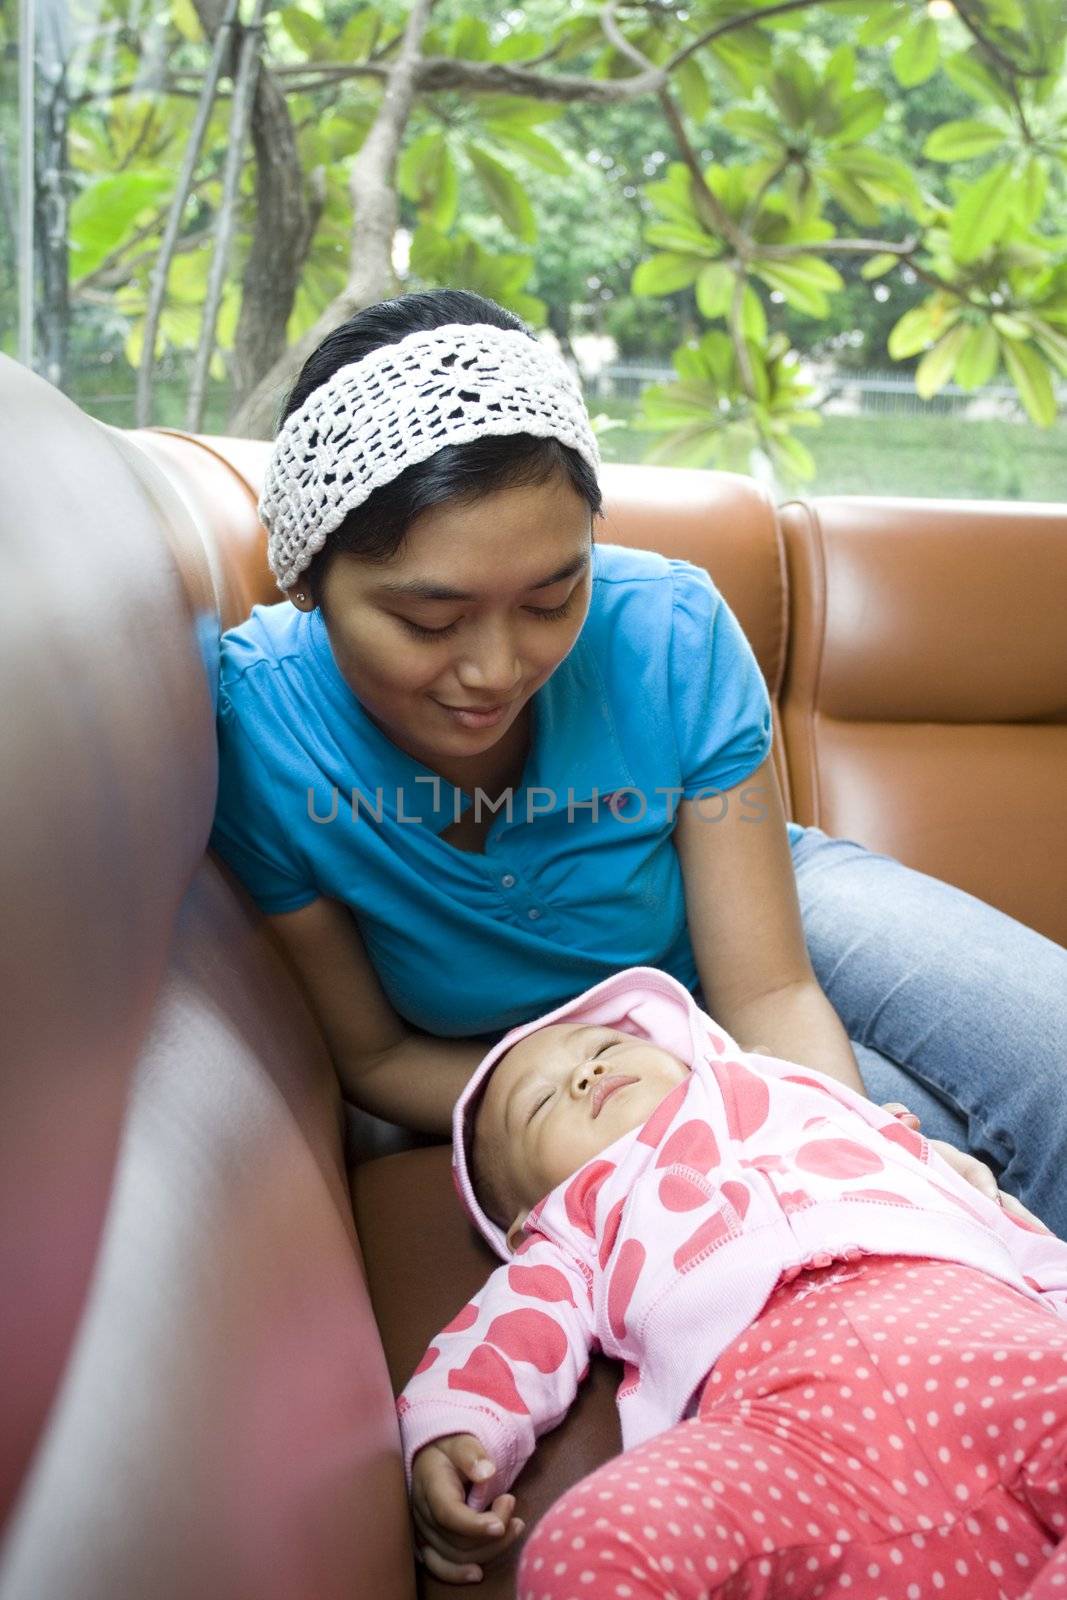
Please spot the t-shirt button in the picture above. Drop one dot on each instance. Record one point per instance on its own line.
(508, 880)
(533, 913)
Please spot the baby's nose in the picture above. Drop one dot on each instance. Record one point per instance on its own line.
(589, 1074)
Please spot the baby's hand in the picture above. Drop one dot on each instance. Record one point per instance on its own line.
(453, 1537)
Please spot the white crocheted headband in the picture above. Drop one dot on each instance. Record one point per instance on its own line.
(398, 405)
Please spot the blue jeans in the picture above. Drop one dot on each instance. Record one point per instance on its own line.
(952, 1007)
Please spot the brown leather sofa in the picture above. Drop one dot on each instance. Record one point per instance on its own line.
(211, 1279)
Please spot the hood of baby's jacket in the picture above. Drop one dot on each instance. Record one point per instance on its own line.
(643, 1001)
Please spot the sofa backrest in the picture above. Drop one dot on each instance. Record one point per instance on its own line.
(105, 698)
(924, 705)
(195, 1399)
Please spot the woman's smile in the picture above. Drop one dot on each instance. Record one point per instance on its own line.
(474, 717)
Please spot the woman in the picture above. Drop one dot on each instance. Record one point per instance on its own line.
(461, 772)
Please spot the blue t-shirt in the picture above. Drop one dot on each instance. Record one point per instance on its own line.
(660, 694)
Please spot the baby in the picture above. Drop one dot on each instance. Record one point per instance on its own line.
(804, 1297)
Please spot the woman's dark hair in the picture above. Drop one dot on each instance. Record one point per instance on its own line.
(375, 530)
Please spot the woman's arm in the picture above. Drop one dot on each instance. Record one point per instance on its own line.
(747, 933)
(384, 1066)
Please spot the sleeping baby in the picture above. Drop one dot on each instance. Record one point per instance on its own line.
(659, 1195)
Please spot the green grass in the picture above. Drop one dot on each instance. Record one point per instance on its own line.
(934, 456)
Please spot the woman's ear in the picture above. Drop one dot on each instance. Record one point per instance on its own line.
(514, 1233)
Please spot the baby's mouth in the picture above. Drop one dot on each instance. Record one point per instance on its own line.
(608, 1086)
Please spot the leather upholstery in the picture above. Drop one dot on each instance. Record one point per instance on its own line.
(190, 1358)
(925, 706)
(226, 1427)
(189, 1354)
(105, 699)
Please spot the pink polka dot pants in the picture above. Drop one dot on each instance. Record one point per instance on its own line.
(893, 1429)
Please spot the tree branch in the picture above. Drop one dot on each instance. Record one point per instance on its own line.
(708, 206)
(746, 20)
(992, 50)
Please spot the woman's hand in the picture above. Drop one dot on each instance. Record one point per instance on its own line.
(453, 1537)
(968, 1167)
(976, 1172)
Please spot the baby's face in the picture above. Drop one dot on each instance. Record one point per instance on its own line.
(563, 1094)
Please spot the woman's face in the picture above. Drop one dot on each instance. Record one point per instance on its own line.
(463, 617)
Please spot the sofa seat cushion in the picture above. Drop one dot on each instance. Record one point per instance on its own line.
(423, 1262)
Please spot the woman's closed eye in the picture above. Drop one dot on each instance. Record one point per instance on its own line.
(440, 633)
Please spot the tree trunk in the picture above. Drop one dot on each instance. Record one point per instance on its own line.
(287, 212)
(374, 221)
(51, 212)
(559, 321)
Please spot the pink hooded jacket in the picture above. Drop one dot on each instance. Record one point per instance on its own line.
(662, 1250)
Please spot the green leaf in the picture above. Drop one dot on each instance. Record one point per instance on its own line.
(426, 175)
(1031, 378)
(185, 19)
(468, 37)
(917, 55)
(852, 196)
(960, 141)
(308, 33)
(359, 35)
(663, 274)
(794, 89)
(103, 214)
(504, 193)
(576, 35)
(878, 266)
(911, 333)
(534, 147)
(840, 70)
(936, 366)
(416, 169)
(517, 108)
(1030, 194)
(683, 238)
(754, 318)
(968, 71)
(745, 57)
(982, 209)
(880, 173)
(858, 115)
(1053, 343)
(795, 286)
(672, 196)
(978, 356)
(714, 290)
(519, 46)
(757, 126)
(814, 270)
(883, 22)
(1010, 327)
(794, 456)
(693, 87)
